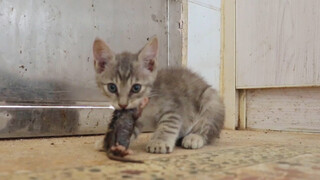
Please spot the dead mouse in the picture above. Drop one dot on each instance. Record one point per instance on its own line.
(117, 139)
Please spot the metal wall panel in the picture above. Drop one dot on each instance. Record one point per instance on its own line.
(30, 121)
(46, 57)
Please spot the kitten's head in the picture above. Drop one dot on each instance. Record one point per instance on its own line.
(125, 78)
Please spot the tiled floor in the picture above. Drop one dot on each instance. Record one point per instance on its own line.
(237, 155)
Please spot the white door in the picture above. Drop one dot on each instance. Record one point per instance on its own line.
(278, 63)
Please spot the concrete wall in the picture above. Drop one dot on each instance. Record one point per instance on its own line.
(204, 39)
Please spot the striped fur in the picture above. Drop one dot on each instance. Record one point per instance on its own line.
(182, 105)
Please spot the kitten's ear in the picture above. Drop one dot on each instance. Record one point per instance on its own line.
(103, 55)
(148, 54)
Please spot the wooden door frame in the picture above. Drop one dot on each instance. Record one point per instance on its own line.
(184, 26)
(234, 99)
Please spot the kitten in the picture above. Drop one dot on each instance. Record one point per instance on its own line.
(182, 106)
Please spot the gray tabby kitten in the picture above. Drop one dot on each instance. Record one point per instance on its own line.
(182, 106)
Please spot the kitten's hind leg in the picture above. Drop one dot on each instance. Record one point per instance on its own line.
(210, 121)
(166, 134)
(193, 141)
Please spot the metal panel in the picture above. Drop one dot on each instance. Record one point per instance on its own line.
(46, 54)
(29, 121)
(47, 45)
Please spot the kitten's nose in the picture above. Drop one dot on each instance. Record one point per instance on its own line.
(123, 106)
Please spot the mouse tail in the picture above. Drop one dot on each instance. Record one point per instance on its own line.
(122, 159)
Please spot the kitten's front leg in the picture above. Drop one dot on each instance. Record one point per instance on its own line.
(138, 125)
(136, 131)
(166, 134)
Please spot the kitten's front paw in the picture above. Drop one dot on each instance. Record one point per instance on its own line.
(98, 145)
(193, 141)
(159, 146)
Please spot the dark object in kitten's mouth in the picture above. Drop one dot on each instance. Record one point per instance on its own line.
(117, 139)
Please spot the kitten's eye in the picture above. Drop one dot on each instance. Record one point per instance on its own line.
(136, 88)
(112, 88)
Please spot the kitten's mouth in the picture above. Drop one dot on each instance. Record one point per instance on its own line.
(117, 107)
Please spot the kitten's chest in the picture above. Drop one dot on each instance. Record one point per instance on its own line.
(150, 115)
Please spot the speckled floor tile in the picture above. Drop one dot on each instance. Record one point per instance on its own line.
(271, 158)
(306, 166)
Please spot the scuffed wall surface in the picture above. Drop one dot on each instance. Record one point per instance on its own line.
(51, 41)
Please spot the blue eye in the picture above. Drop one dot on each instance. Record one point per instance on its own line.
(112, 88)
(136, 88)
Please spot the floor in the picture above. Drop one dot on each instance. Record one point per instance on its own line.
(236, 155)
